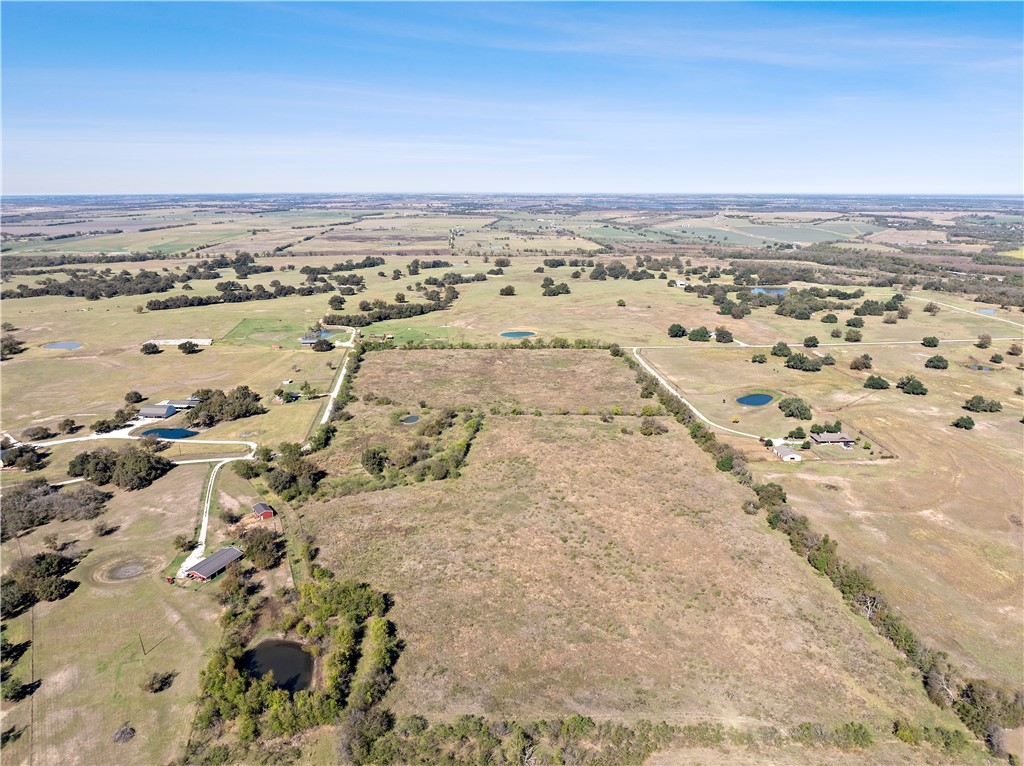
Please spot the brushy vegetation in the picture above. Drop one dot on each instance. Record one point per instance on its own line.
(35, 502)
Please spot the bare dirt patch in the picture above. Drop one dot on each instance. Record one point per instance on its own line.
(127, 568)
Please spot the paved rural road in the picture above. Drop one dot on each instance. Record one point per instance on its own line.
(668, 387)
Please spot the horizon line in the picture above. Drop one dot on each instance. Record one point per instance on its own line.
(519, 194)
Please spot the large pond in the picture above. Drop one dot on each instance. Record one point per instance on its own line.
(770, 290)
(986, 311)
(170, 433)
(518, 334)
(63, 344)
(410, 419)
(755, 400)
(291, 665)
(982, 367)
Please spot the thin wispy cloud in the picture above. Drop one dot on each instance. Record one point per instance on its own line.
(539, 97)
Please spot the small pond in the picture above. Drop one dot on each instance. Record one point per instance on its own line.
(63, 344)
(986, 311)
(755, 400)
(410, 419)
(291, 665)
(982, 367)
(770, 290)
(518, 334)
(170, 433)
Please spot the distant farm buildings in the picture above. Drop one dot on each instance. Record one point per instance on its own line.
(157, 410)
(262, 512)
(826, 438)
(213, 565)
(787, 453)
(181, 404)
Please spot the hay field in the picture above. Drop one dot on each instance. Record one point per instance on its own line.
(553, 578)
(576, 568)
(549, 379)
(935, 525)
(86, 648)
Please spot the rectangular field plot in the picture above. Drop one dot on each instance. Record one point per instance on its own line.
(553, 577)
(550, 380)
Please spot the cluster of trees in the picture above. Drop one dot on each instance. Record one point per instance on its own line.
(909, 384)
(862, 362)
(120, 419)
(617, 270)
(799, 361)
(129, 468)
(795, 407)
(455, 278)
(876, 382)
(331, 616)
(25, 456)
(878, 308)
(378, 311)
(233, 292)
(416, 264)
(10, 346)
(507, 290)
(937, 363)
(215, 406)
(471, 740)
(979, 403)
(263, 547)
(36, 578)
(93, 285)
(35, 502)
(288, 474)
(552, 289)
(419, 458)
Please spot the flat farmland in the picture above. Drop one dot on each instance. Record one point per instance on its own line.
(554, 578)
(939, 525)
(549, 379)
(37, 393)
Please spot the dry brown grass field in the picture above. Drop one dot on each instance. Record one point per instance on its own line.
(576, 568)
(939, 525)
(550, 380)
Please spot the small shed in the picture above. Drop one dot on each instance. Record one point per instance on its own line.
(787, 453)
(262, 512)
(213, 565)
(157, 410)
(308, 341)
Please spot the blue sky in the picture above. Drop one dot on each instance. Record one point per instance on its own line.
(493, 97)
